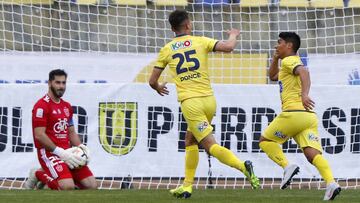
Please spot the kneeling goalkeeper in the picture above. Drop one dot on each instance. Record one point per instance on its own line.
(54, 135)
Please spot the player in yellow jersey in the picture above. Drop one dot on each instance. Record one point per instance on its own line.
(187, 58)
(297, 119)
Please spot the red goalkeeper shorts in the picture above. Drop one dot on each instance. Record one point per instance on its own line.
(58, 169)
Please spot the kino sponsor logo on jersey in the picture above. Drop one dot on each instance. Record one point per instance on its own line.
(181, 45)
(118, 127)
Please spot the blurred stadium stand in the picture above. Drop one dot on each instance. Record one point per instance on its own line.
(294, 3)
(251, 3)
(170, 2)
(354, 3)
(86, 2)
(130, 2)
(103, 28)
(26, 2)
(327, 3)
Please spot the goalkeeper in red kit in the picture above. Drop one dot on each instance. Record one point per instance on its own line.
(54, 135)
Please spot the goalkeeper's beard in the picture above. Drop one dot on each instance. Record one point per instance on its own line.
(58, 93)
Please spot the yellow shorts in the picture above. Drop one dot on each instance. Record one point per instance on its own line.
(300, 125)
(198, 113)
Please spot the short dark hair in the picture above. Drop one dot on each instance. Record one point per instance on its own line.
(293, 38)
(177, 18)
(56, 72)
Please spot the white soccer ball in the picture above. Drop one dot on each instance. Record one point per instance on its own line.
(81, 153)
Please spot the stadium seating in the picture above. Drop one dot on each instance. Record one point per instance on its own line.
(252, 3)
(354, 4)
(312, 3)
(327, 3)
(86, 2)
(211, 2)
(294, 3)
(130, 2)
(22, 2)
(170, 2)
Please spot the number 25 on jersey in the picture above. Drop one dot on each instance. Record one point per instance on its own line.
(186, 56)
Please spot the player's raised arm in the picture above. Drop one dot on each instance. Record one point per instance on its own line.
(228, 45)
(305, 87)
(274, 68)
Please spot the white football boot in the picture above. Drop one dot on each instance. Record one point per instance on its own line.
(31, 182)
(332, 190)
(289, 172)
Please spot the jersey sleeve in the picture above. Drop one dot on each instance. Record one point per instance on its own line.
(71, 121)
(209, 43)
(290, 63)
(162, 59)
(39, 115)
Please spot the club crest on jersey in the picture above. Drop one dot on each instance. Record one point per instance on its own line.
(66, 111)
(202, 126)
(181, 45)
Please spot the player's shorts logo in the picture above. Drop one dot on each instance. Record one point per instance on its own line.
(59, 168)
(280, 135)
(118, 127)
(202, 126)
(313, 137)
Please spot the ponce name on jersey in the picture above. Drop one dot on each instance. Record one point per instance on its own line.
(190, 76)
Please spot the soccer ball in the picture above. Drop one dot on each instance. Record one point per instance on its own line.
(81, 153)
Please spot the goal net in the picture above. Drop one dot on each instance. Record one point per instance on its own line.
(109, 47)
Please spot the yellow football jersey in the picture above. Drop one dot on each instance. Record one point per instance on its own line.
(187, 57)
(290, 84)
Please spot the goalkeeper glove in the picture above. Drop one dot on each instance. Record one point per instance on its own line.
(86, 151)
(71, 159)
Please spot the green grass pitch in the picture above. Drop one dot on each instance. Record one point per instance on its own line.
(162, 196)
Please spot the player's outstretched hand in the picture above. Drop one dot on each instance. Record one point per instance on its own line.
(308, 103)
(162, 89)
(233, 31)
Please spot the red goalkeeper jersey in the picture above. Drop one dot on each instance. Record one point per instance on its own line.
(56, 118)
